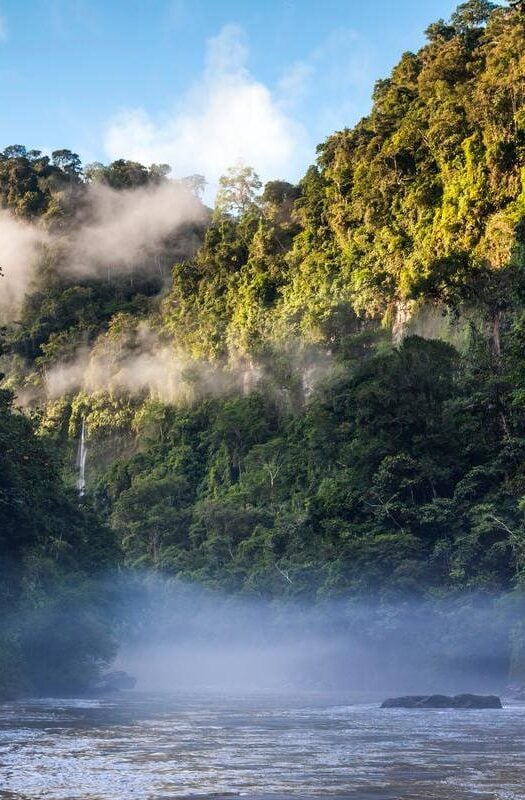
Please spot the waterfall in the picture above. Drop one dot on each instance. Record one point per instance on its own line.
(81, 461)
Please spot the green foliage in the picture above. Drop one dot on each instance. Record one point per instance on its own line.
(123, 174)
(471, 13)
(50, 551)
(27, 181)
(349, 466)
(431, 176)
(237, 191)
(393, 481)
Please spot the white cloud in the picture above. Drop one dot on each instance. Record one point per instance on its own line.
(227, 117)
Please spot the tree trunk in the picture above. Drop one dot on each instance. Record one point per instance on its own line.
(496, 337)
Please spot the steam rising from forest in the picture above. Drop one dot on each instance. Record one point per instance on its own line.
(113, 232)
(20, 243)
(180, 636)
(125, 228)
(141, 363)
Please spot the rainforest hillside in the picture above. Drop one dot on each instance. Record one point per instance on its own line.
(308, 391)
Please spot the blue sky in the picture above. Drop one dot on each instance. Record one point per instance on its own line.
(197, 83)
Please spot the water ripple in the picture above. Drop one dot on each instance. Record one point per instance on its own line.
(260, 746)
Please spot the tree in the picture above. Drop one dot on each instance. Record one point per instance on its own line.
(195, 183)
(68, 162)
(313, 456)
(238, 190)
(15, 151)
(95, 172)
(159, 172)
(124, 174)
(278, 192)
(471, 14)
(439, 31)
(150, 517)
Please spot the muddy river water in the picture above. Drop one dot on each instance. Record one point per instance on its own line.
(156, 747)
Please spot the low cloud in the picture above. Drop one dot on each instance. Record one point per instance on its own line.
(123, 228)
(139, 363)
(20, 244)
(115, 232)
(227, 117)
(184, 636)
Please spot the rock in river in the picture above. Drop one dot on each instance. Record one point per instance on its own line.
(443, 701)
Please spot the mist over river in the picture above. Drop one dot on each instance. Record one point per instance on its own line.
(275, 745)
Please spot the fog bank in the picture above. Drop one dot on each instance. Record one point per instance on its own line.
(180, 636)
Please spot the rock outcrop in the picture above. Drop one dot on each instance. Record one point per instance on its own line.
(443, 701)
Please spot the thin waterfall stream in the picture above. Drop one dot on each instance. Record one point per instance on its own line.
(81, 461)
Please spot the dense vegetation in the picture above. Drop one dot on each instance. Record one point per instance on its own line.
(348, 419)
(53, 629)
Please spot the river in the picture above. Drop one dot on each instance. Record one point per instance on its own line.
(156, 747)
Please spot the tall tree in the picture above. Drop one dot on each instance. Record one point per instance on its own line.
(471, 14)
(238, 190)
(68, 162)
